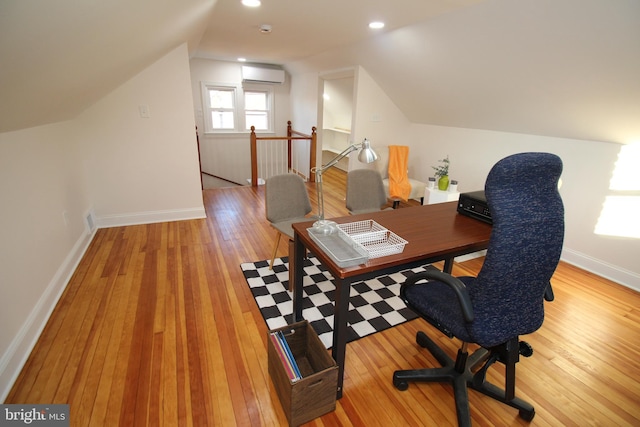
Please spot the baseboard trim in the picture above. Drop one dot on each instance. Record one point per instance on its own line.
(107, 221)
(467, 257)
(611, 272)
(13, 360)
(614, 273)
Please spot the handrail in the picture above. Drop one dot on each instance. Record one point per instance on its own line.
(292, 135)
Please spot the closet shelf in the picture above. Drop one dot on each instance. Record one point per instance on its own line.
(339, 130)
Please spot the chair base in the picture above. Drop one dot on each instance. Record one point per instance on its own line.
(462, 374)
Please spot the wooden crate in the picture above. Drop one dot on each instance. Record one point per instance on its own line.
(315, 393)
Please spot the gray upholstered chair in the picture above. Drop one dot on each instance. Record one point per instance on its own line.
(286, 202)
(365, 191)
(507, 297)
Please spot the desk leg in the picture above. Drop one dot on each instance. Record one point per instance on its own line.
(298, 260)
(448, 265)
(340, 328)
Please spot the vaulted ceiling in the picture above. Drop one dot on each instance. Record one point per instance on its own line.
(565, 68)
(59, 57)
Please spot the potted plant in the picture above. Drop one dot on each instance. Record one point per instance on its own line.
(442, 173)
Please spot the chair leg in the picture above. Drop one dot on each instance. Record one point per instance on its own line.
(460, 373)
(448, 373)
(275, 250)
(292, 267)
(508, 354)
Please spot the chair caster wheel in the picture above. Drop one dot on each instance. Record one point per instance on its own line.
(527, 415)
(525, 349)
(422, 340)
(400, 384)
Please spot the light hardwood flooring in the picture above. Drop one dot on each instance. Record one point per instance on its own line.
(158, 327)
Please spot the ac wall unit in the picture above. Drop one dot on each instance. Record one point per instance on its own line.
(262, 75)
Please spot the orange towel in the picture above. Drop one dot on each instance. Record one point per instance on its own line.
(399, 186)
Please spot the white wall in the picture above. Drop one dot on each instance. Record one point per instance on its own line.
(229, 156)
(144, 170)
(126, 168)
(587, 169)
(304, 93)
(379, 120)
(337, 117)
(338, 109)
(42, 234)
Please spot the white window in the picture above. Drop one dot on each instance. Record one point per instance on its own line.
(257, 111)
(619, 215)
(222, 107)
(233, 109)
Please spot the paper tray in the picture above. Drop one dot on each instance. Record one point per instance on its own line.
(343, 250)
(374, 238)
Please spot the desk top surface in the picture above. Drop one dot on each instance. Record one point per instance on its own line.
(433, 232)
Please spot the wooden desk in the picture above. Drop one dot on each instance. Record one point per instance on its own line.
(434, 232)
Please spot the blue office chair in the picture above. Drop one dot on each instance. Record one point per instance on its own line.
(506, 299)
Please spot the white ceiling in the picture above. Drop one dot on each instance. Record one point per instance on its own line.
(303, 28)
(566, 68)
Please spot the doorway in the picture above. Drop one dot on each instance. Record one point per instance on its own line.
(338, 93)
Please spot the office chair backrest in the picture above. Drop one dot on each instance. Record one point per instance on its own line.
(524, 249)
(286, 197)
(365, 191)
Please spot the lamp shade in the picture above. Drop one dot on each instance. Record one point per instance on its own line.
(367, 155)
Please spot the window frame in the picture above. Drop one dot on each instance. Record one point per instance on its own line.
(239, 110)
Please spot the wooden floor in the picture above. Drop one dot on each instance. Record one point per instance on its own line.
(158, 327)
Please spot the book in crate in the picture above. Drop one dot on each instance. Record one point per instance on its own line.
(284, 352)
(314, 393)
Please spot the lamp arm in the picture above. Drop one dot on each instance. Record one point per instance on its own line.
(322, 169)
(320, 196)
(367, 155)
(350, 149)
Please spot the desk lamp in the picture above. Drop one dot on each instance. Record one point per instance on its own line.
(366, 155)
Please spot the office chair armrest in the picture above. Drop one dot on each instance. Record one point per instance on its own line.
(456, 284)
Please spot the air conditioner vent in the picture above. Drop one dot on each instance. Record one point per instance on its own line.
(255, 74)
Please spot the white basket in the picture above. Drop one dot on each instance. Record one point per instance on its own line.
(344, 251)
(377, 240)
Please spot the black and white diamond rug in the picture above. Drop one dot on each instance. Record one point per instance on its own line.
(374, 305)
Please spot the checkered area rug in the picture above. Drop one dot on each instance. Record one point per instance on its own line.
(374, 305)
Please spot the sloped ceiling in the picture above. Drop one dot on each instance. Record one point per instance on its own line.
(562, 68)
(59, 57)
(566, 68)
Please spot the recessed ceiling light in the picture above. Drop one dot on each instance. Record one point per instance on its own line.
(376, 25)
(242, 59)
(251, 3)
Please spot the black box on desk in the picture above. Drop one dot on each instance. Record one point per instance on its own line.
(474, 204)
(315, 393)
